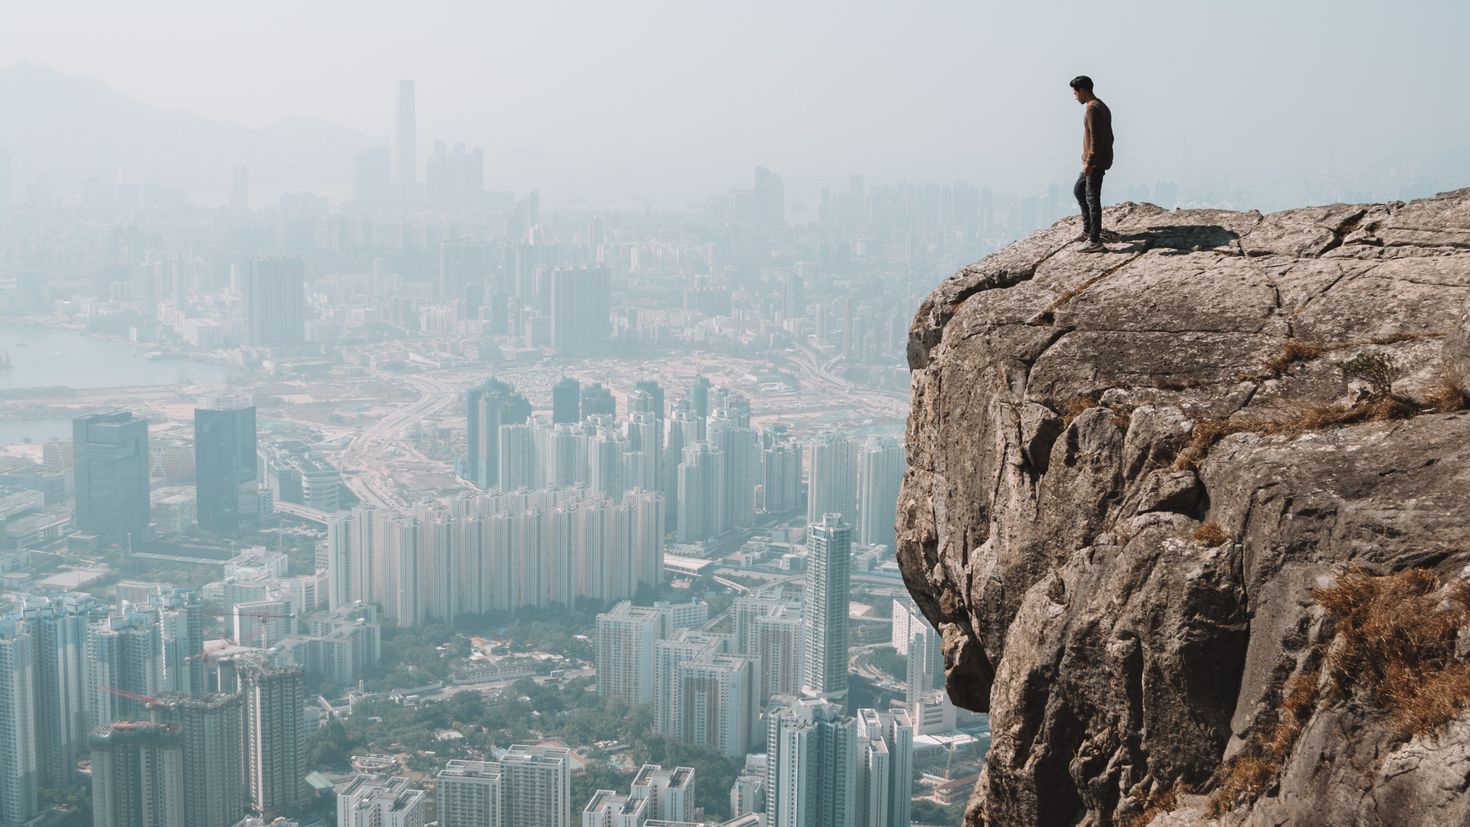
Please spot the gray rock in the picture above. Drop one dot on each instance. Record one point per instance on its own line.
(1051, 540)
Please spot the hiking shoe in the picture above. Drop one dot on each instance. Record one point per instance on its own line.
(1094, 247)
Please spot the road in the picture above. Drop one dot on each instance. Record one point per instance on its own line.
(362, 461)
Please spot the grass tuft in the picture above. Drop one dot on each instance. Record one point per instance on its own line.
(1209, 533)
(1074, 408)
(1291, 352)
(1395, 645)
(1446, 395)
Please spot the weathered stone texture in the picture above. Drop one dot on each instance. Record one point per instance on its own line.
(1048, 529)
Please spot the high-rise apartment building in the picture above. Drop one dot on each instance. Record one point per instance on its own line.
(538, 787)
(210, 731)
(275, 300)
(885, 772)
(138, 776)
(740, 447)
(832, 486)
(701, 495)
(580, 309)
(470, 794)
(19, 762)
(657, 796)
(626, 640)
(597, 400)
(825, 605)
(124, 661)
(811, 765)
(368, 801)
(881, 465)
(466, 269)
(488, 407)
(58, 626)
(225, 481)
(781, 478)
(703, 695)
(275, 735)
(110, 455)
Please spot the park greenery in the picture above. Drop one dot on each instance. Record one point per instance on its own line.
(615, 736)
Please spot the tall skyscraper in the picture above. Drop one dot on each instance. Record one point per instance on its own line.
(406, 143)
(368, 801)
(881, 465)
(225, 465)
(740, 447)
(885, 772)
(275, 300)
(770, 200)
(811, 766)
(110, 455)
(832, 486)
(781, 477)
(566, 401)
(655, 398)
(580, 310)
(825, 605)
(210, 731)
(181, 630)
(275, 735)
(538, 786)
(138, 776)
(490, 406)
(699, 403)
(470, 794)
(19, 762)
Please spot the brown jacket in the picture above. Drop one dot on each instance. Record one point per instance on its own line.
(1097, 136)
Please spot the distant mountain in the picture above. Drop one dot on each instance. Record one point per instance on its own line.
(72, 129)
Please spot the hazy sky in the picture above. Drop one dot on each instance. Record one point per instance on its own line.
(682, 98)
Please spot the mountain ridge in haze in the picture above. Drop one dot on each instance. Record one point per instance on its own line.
(71, 129)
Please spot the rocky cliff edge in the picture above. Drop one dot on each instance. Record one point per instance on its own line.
(1191, 516)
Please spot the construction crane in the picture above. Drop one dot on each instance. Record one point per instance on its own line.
(146, 700)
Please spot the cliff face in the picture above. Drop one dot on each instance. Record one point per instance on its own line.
(1150, 496)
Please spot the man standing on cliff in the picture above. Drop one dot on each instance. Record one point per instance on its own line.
(1097, 157)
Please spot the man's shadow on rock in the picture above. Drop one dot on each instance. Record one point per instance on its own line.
(1179, 239)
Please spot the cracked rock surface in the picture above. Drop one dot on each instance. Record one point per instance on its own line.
(1051, 531)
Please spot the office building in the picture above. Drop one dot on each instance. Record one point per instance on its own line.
(832, 486)
(210, 732)
(274, 289)
(566, 401)
(19, 762)
(225, 482)
(580, 310)
(138, 776)
(470, 794)
(885, 771)
(881, 465)
(275, 735)
(488, 407)
(110, 454)
(538, 787)
(368, 801)
(825, 605)
(811, 765)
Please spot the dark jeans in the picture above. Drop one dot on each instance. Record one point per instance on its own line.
(1089, 197)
